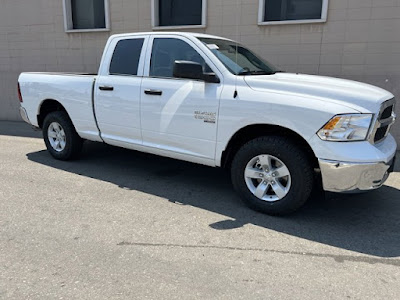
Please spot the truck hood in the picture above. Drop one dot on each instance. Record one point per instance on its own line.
(356, 95)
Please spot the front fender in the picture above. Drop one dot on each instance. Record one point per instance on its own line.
(302, 116)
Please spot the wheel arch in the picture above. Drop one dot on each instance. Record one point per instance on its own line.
(47, 106)
(253, 131)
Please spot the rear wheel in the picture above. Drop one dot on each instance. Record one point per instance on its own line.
(272, 175)
(60, 136)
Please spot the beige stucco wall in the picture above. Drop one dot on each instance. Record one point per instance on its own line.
(360, 40)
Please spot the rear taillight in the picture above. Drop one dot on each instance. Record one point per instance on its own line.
(19, 94)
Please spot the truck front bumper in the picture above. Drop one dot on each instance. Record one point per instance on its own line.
(342, 177)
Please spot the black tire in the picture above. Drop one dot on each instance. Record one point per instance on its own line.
(296, 161)
(73, 142)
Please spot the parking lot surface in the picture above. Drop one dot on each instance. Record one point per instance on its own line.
(119, 224)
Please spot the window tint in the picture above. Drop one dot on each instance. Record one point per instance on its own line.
(281, 10)
(126, 57)
(88, 14)
(179, 12)
(166, 51)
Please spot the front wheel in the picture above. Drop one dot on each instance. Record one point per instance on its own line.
(272, 175)
(60, 136)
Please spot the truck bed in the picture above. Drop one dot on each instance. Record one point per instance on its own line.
(74, 89)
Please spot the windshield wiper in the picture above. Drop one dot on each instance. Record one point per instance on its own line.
(259, 72)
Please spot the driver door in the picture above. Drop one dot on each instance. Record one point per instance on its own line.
(178, 115)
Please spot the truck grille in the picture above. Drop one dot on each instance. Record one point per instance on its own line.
(387, 112)
(385, 120)
(380, 134)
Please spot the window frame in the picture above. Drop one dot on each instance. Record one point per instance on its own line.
(69, 26)
(149, 51)
(139, 64)
(155, 17)
(261, 10)
(109, 52)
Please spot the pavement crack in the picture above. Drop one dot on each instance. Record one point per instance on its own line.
(337, 258)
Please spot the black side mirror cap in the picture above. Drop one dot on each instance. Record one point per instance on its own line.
(187, 69)
(211, 77)
(192, 70)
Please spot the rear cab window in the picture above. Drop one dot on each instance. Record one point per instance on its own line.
(126, 56)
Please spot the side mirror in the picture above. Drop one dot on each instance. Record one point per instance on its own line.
(211, 77)
(193, 70)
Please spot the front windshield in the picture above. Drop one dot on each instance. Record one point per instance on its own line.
(240, 62)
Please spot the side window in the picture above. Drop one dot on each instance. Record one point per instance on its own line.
(166, 51)
(126, 57)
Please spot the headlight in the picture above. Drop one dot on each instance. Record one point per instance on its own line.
(342, 128)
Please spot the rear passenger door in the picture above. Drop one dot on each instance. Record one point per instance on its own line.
(117, 91)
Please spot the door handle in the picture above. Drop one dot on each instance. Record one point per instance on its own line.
(106, 88)
(153, 92)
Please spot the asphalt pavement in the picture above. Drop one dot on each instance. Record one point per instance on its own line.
(119, 224)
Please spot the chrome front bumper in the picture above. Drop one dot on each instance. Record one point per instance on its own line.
(353, 177)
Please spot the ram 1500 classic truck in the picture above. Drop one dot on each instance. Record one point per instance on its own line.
(212, 101)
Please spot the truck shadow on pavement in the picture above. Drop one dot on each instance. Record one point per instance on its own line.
(366, 223)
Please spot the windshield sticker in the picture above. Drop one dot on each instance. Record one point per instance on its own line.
(212, 47)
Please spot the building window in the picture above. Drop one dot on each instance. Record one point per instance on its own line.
(86, 15)
(179, 13)
(292, 11)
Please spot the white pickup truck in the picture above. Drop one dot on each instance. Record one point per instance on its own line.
(210, 100)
